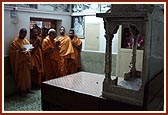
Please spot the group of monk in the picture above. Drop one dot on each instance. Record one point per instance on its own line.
(50, 57)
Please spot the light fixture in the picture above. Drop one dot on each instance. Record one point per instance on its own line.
(13, 13)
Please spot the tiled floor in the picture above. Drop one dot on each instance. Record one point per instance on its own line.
(31, 102)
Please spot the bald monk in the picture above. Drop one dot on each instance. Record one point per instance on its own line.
(66, 51)
(77, 45)
(37, 59)
(20, 61)
(50, 49)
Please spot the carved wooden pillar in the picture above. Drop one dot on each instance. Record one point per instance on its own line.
(108, 60)
(110, 30)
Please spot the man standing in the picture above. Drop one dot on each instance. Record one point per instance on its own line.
(50, 49)
(37, 59)
(77, 45)
(66, 51)
(20, 60)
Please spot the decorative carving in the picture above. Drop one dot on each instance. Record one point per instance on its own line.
(109, 37)
(133, 72)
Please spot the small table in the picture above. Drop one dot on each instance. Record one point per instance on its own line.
(81, 91)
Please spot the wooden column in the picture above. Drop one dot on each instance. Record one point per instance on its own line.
(108, 60)
(110, 30)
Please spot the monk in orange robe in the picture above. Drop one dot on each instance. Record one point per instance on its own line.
(50, 49)
(75, 65)
(20, 60)
(37, 59)
(66, 51)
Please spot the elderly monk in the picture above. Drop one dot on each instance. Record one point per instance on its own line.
(20, 60)
(50, 49)
(75, 65)
(37, 59)
(66, 51)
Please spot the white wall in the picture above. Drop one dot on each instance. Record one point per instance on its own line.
(102, 42)
(11, 29)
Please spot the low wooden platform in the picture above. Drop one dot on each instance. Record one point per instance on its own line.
(79, 92)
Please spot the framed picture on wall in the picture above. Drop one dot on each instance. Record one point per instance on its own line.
(76, 8)
(54, 7)
(78, 25)
(94, 8)
(34, 6)
(104, 7)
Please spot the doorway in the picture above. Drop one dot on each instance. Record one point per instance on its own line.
(45, 24)
(92, 36)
